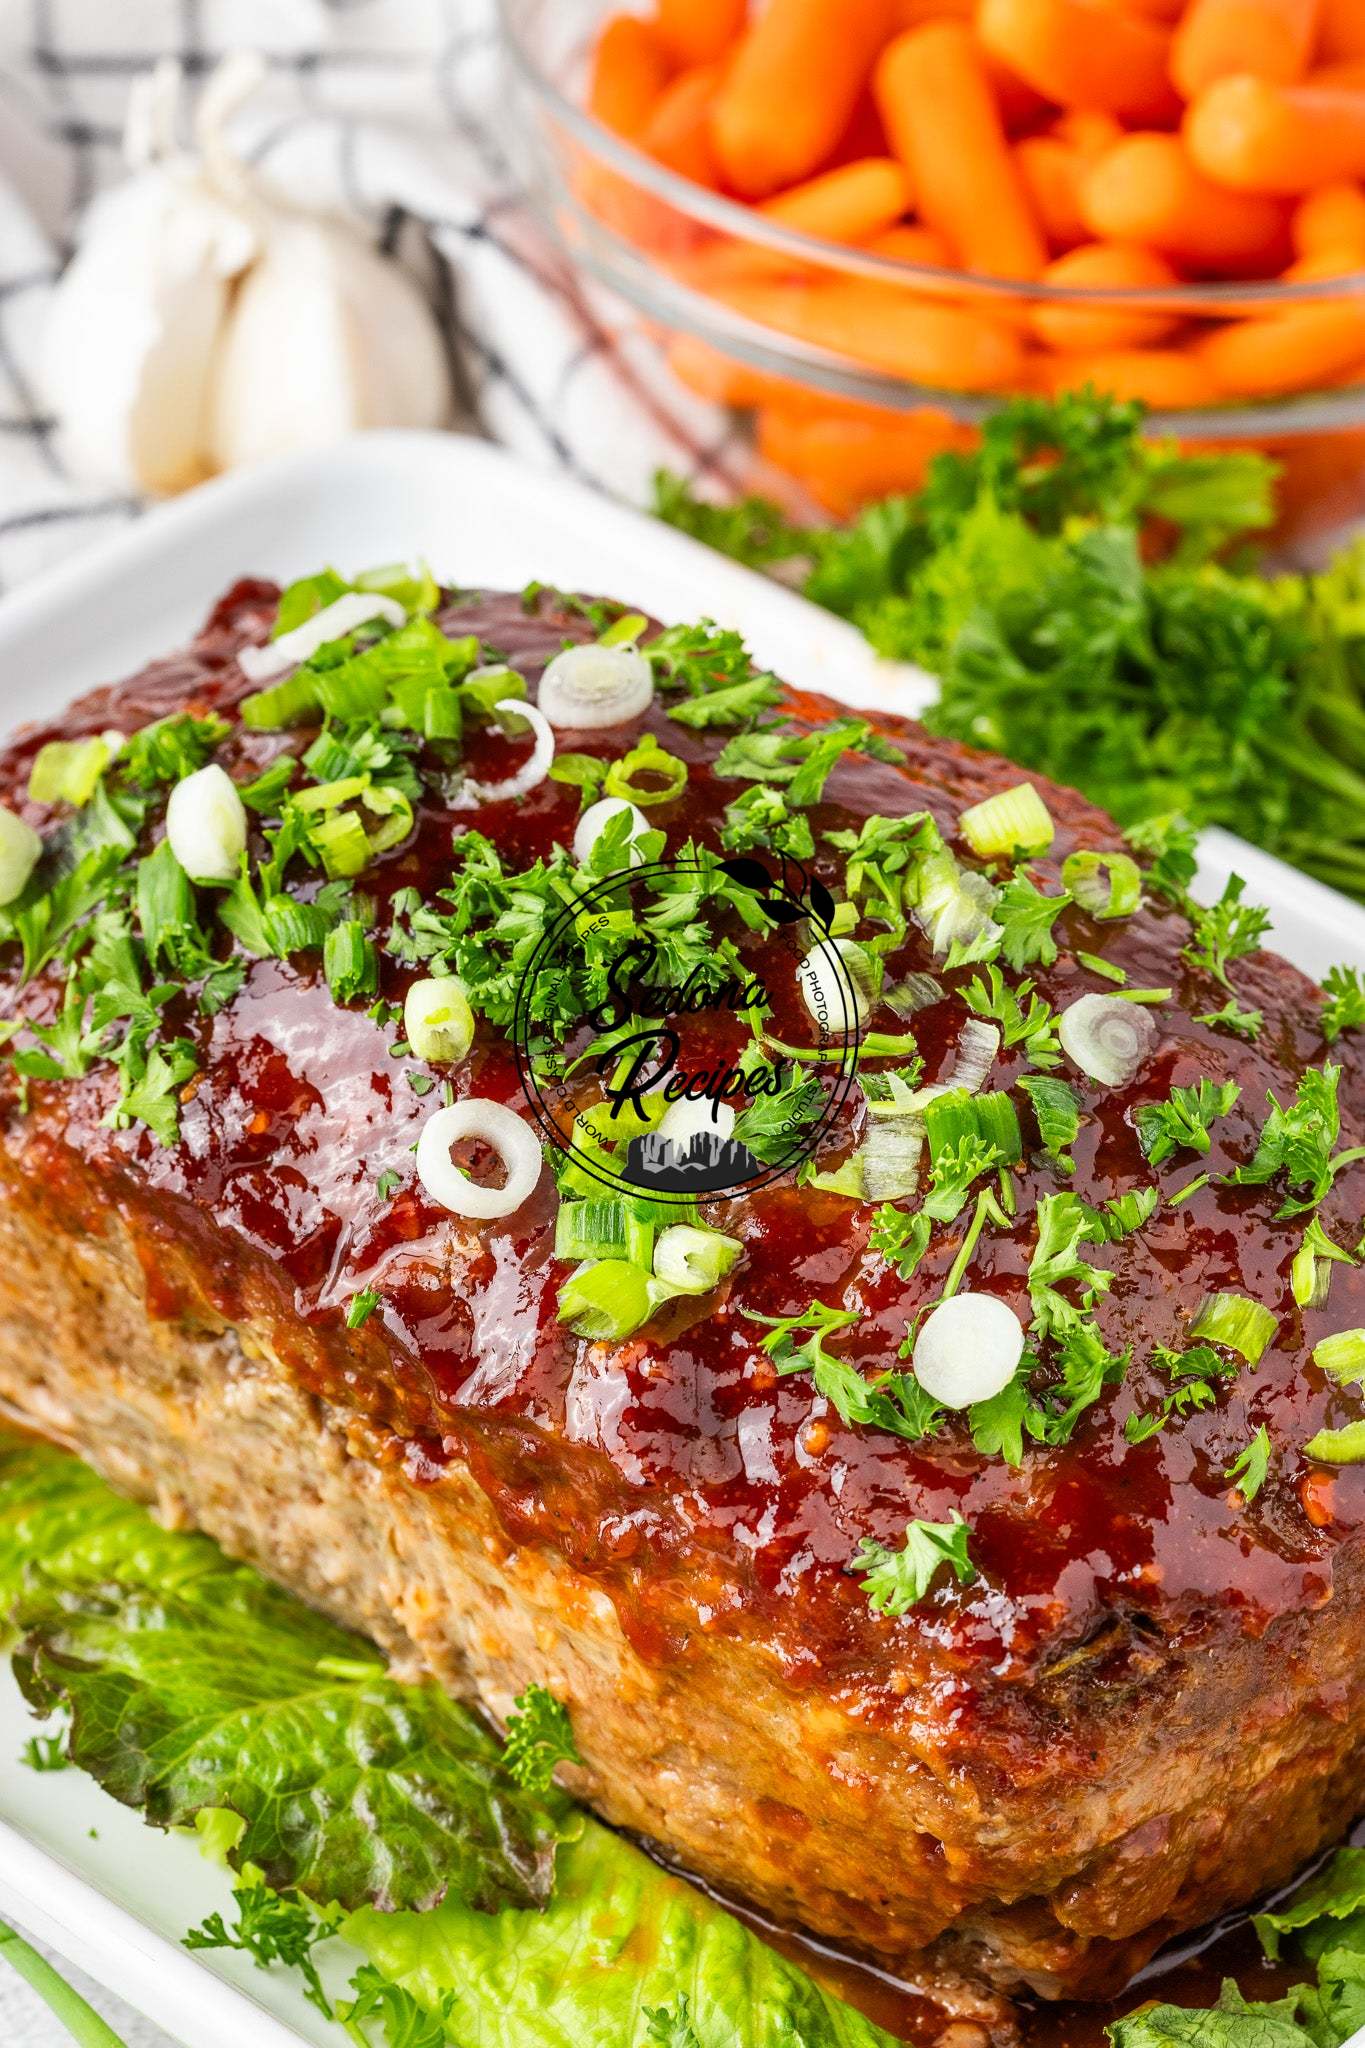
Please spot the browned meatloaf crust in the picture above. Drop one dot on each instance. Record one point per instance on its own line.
(1146, 1705)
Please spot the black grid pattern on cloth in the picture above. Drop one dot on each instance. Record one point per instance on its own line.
(393, 110)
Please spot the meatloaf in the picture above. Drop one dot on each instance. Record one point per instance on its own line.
(1131, 1695)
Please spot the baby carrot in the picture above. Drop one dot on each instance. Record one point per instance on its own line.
(726, 381)
(943, 123)
(1259, 137)
(1089, 132)
(1106, 266)
(1298, 350)
(847, 205)
(1219, 38)
(1345, 261)
(1081, 54)
(1146, 189)
(630, 69)
(678, 132)
(1341, 31)
(1167, 379)
(1329, 219)
(846, 459)
(698, 31)
(1348, 71)
(892, 329)
(915, 13)
(914, 244)
(1052, 171)
(791, 87)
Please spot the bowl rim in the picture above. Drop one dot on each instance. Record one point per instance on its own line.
(747, 224)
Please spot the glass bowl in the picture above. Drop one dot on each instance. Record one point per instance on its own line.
(859, 366)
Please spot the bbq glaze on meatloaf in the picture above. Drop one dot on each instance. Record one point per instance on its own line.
(1149, 1701)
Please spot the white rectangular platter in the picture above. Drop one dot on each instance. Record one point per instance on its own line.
(75, 1869)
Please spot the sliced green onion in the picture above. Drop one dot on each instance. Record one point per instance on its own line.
(1107, 968)
(1107, 1038)
(493, 1124)
(623, 632)
(394, 808)
(1106, 884)
(437, 1020)
(968, 1349)
(410, 584)
(1310, 1276)
(1242, 1325)
(1150, 996)
(294, 927)
(598, 1228)
(330, 796)
(691, 1260)
(484, 687)
(838, 980)
(990, 1119)
(587, 688)
(1013, 821)
(952, 906)
(1342, 1357)
(432, 709)
(1058, 1111)
(20, 848)
(66, 771)
(1338, 1446)
(350, 961)
(293, 702)
(888, 1158)
(206, 825)
(583, 772)
(916, 992)
(607, 1301)
(267, 793)
(361, 1307)
(341, 844)
(668, 775)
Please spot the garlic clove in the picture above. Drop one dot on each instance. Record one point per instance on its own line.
(325, 337)
(133, 326)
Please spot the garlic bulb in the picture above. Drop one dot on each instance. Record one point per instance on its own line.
(203, 323)
(135, 320)
(325, 336)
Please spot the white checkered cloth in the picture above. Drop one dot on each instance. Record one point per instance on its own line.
(393, 109)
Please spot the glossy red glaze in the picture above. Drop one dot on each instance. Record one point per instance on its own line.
(679, 1470)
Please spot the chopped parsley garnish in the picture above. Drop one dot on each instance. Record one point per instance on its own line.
(1225, 931)
(802, 762)
(1298, 1142)
(1249, 1468)
(1064, 1225)
(1026, 917)
(670, 2026)
(1195, 1375)
(539, 1737)
(45, 1753)
(773, 1125)
(897, 1580)
(902, 1238)
(1025, 1020)
(271, 1929)
(893, 1401)
(1182, 1122)
(1344, 1009)
(1233, 1018)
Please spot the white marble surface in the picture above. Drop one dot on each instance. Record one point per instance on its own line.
(25, 2022)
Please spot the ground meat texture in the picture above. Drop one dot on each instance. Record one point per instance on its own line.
(1145, 1707)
